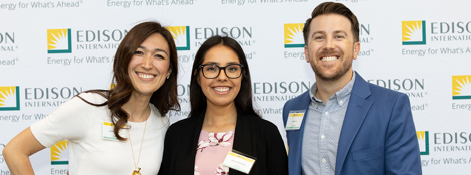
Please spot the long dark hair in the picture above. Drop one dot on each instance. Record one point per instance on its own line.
(164, 99)
(243, 100)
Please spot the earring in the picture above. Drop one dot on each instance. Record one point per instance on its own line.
(168, 77)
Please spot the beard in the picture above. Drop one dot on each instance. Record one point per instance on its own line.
(345, 66)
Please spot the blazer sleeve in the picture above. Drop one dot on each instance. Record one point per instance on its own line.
(277, 160)
(167, 156)
(402, 154)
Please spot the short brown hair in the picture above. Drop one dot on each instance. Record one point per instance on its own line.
(333, 8)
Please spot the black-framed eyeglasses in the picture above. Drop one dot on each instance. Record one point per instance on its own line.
(211, 71)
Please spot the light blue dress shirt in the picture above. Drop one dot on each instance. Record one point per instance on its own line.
(322, 131)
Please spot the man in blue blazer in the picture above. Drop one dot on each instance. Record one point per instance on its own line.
(344, 125)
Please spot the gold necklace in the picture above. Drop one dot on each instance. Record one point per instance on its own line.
(136, 168)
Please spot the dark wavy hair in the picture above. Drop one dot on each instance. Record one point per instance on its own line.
(333, 8)
(243, 100)
(164, 99)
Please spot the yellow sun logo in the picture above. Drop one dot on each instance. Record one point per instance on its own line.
(423, 142)
(9, 98)
(59, 41)
(60, 153)
(413, 32)
(181, 35)
(461, 87)
(294, 35)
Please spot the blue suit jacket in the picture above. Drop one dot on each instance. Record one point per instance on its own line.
(378, 134)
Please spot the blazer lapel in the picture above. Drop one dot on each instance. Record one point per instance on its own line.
(243, 139)
(357, 109)
(193, 141)
(242, 135)
(295, 141)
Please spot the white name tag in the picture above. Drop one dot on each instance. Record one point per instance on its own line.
(239, 162)
(108, 131)
(295, 119)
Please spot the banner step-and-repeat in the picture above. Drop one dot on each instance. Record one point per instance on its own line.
(53, 50)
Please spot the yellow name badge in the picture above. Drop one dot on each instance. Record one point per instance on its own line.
(108, 131)
(295, 119)
(239, 162)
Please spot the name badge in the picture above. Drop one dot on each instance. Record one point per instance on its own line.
(239, 161)
(295, 118)
(108, 131)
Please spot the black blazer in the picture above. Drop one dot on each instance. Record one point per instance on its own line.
(253, 136)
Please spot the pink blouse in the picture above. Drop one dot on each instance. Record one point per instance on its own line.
(212, 150)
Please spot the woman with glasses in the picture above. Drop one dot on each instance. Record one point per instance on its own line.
(223, 134)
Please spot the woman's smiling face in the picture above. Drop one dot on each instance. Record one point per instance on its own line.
(220, 91)
(149, 66)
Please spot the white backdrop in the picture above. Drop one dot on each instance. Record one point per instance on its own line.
(433, 67)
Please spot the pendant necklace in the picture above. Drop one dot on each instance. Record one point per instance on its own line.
(137, 169)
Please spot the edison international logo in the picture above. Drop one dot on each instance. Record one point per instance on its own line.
(9, 98)
(59, 41)
(413, 33)
(461, 87)
(294, 35)
(60, 153)
(423, 142)
(181, 35)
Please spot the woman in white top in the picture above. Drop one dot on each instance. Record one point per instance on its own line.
(117, 131)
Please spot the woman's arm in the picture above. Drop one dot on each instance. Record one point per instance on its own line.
(18, 150)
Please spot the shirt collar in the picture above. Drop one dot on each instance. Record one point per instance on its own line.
(341, 96)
